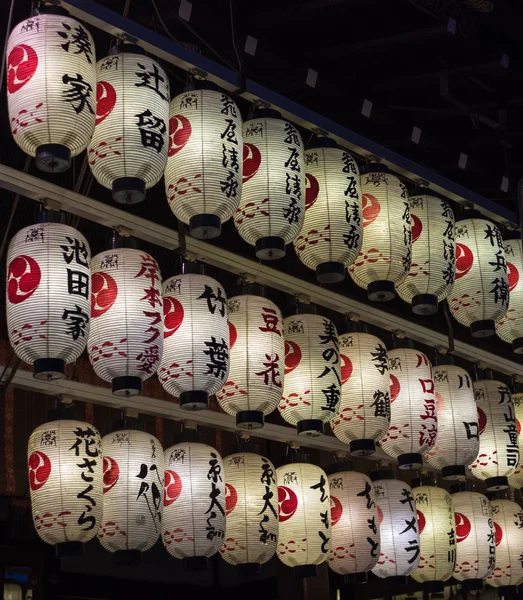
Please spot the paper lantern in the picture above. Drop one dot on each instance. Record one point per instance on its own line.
(413, 423)
(203, 177)
(126, 338)
(475, 546)
(385, 256)
(508, 533)
(332, 232)
(304, 535)
(51, 80)
(47, 296)
(195, 359)
(255, 383)
(364, 412)
(128, 150)
(399, 537)
(510, 327)
(195, 501)
(498, 435)
(12, 591)
(516, 479)
(133, 492)
(480, 293)
(272, 205)
(437, 534)
(355, 543)
(312, 383)
(457, 442)
(252, 512)
(433, 264)
(65, 482)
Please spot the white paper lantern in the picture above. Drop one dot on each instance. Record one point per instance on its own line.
(510, 327)
(133, 492)
(272, 206)
(51, 80)
(385, 257)
(433, 264)
(498, 436)
(312, 383)
(65, 482)
(480, 294)
(437, 534)
(195, 359)
(399, 537)
(457, 442)
(332, 232)
(203, 177)
(413, 423)
(252, 512)
(304, 535)
(47, 296)
(12, 591)
(475, 546)
(255, 383)
(126, 338)
(364, 412)
(128, 150)
(508, 532)
(194, 507)
(516, 479)
(355, 543)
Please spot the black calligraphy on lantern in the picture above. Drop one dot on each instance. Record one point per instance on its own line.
(78, 93)
(451, 553)
(229, 133)
(493, 235)
(75, 250)
(77, 283)
(229, 185)
(218, 353)
(151, 79)
(152, 130)
(31, 25)
(215, 299)
(321, 487)
(512, 433)
(76, 41)
(413, 547)
(407, 497)
(330, 355)
(471, 429)
(267, 478)
(365, 493)
(228, 106)
(86, 448)
(291, 134)
(35, 234)
(215, 477)
(150, 491)
(324, 516)
(381, 404)
(76, 321)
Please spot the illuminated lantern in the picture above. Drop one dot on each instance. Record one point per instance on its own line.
(480, 293)
(364, 413)
(384, 259)
(51, 81)
(332, 232)
(252, 512)
(516, 479)
(498, 437)
(65, 481)
(12, 591)
(304, 523)
(436, 528)
(457, 442)
(508, 533)
(399, 546)
(47, 296)
(195, 359)
(311, 389)
(126, 338)
(413, 423)
(510, 327)
(133, 491)
(355, 542)
(254, 386)
(128, 151)
(433, 264)
(194, 506)
(203, 178)
(272, 205)
(475, 546)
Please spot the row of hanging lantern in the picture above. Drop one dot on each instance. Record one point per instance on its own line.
(128, 492)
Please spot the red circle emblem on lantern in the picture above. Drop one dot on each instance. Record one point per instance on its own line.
(288, 503)
(172, 487)
(292, 356)
(380, 515)
(498, 533)
(394, 387)
(312, 188)
(482, 420)
(39, 470)
(463, 527)
(336, 510)
(231, 498)
(518, 426)
(370, 209)
(421, 521)
(111, 473)
(464, 260)
(513, 276)
(104, 293)
(417, 227)
(179, 133)
(251, 161)
(233, 335)
(105, 100)
(346, 368)
(22, 63)
(172, 315)
(23, 278)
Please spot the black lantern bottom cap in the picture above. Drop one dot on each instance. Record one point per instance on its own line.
(425, 304)
(128, 190)
(127, 558)
(305, 571)
(195, 563)
(453, 472)
(195, 400)
(495, 484)
(355, 579)
(433, 587)
(205, 226)
(330, 272)
(381, 291)
(126, 386)
(507, 590)
(472, 585)
(310, 427)
(410, 461)
(270, 248)
(48, 369)
(398, 581)
(248, 569)
(53, 158)
(483, 329)
(517, 345)
(250, 419)
(362, 447)
(69, 549)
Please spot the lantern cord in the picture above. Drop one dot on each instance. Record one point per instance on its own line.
(7, 32)
(233, 37)
(449, 325)
(126, 8)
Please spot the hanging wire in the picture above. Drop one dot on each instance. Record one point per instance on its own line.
(231, 14)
